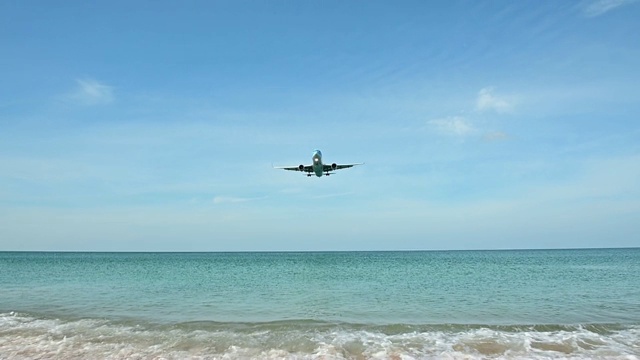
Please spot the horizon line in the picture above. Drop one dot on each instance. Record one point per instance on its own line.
(310, 251)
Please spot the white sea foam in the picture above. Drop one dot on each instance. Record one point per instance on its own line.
(27, 337)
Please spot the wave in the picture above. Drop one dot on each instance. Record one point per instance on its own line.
(28, 336)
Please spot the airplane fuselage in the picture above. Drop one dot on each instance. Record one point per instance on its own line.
(318, 167)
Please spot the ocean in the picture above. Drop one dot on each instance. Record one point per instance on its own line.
(517, 304)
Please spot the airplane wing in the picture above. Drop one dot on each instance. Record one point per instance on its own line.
(332, 167)
(305, 168)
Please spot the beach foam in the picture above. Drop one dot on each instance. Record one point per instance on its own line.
(25, 336)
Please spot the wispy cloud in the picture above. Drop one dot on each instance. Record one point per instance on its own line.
(90, 92)
(326, 196)
(488, 100)
(463, 126)
(233, 199)
(452, 125)
(599, 7)
(495, 136)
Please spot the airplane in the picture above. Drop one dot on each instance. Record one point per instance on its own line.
(317, 167)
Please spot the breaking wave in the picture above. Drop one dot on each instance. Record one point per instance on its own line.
(28, 336)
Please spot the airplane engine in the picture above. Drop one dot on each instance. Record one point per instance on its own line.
(334, 166)
(301, 167)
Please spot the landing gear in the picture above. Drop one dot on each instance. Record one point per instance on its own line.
(308, 175)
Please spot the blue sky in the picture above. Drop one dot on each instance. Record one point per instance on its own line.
(153, 126)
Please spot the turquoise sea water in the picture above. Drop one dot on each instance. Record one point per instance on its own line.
(444, 304)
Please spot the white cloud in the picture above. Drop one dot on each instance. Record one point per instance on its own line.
(91, 92)
(487, 100)
(452, 125)
(600, 7)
